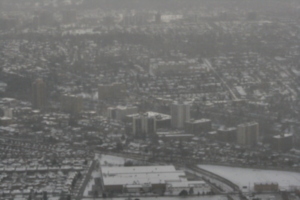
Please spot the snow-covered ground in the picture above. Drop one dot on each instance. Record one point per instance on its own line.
(245, 178)
(106, 160)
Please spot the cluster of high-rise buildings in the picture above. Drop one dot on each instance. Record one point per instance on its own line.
(69, 103)
(147, 124)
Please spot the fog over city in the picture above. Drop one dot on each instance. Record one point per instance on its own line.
(150, 99)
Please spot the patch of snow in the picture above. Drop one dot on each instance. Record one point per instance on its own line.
(246, 177)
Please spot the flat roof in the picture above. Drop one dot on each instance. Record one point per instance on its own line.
(162, 135)
(150, 114)
(137, 169)
(141, 175)
(143, 178)
(199, 121)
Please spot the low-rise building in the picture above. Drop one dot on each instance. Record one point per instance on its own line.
(198, 126)
(227, 134)
(266, 187)
(283, 142)
(120, 112)
(154, 179)
(71, 103)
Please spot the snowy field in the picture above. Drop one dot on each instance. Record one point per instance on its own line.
(244, 177)
(106, 160)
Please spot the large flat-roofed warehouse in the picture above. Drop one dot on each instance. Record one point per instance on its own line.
(141, 179)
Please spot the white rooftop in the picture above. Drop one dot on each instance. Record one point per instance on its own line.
(143, 178)
(140, 175)
(137, 169)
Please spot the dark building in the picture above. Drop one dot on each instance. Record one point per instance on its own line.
(248, 133)
(266, 187)
(45, 18)
(111, 91)
(69, 16)
(226, 134)
(1, 6)
(143, 125)
(71, 104)
(163, 121)
(39, 94)
(282, 142)
(5, 121)
(158, 17)
(198, 126)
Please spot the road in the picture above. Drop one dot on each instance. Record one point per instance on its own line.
(209, 65)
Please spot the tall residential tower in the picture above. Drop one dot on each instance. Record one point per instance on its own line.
(180, 113)
(39, 94)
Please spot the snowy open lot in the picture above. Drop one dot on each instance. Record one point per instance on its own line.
(244, 177)
(105, 160)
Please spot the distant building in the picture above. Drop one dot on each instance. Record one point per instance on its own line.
(136, 19)
(163, 121)
(227, 134)
(185, 66)
(248, 133)
(39, 94)
(198, 126)
(3, 85)
(71, 103)
(174, 136)
(45, 18)
(5, 121)
(112, 91)
(69, 16)
(143, 125)
(120, 112)
(180, 113)
(266, 187)
(1, 6)
(283, 142)
(190, 187)
(158, 17)
(8, 112)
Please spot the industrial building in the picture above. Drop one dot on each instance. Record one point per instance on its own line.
(149, 179)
